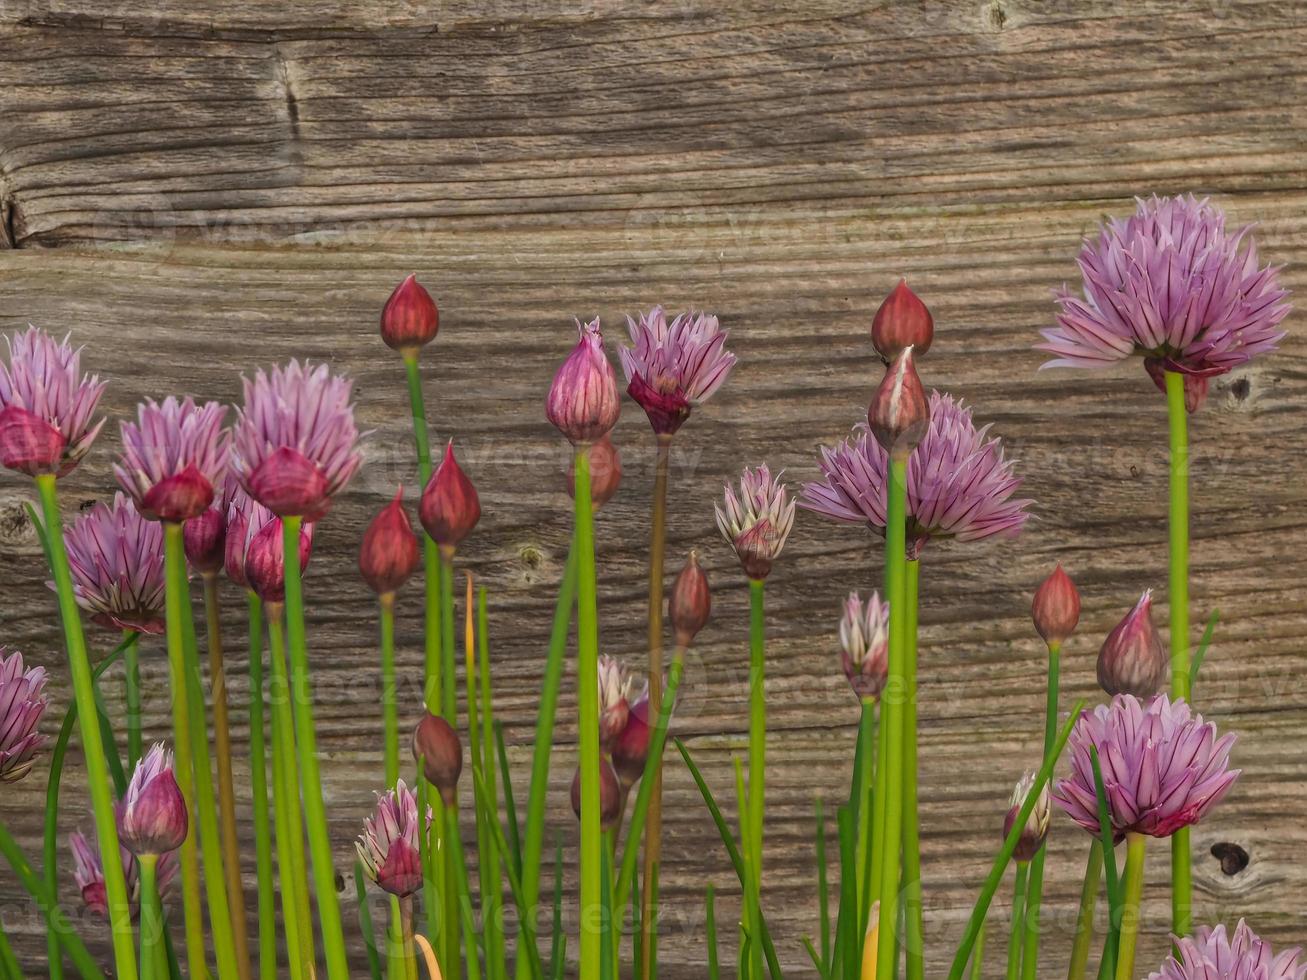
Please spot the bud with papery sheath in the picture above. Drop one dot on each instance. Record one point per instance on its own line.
(1035, 832)
(409, 320)
(583, 402)
(902, 321)
(436, 746)
(631, 748)
(1133, 659)
(389, 554)
(450, 507)
(610, 796)
(899, 414)
(1056, 607)
(605, 471)
(265, 567)
(756, 521)
(864, 644)
(690, 601)
(152, 818)
(205, 538)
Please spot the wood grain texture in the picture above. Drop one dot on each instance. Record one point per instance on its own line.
(200, 191)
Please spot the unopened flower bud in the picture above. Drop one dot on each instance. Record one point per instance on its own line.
(864, 644)
(632, 747)
(614, 700)
(205, 538)
(605, 471)
(389, 553)
(902, 321)
(450, 507)
(436, 746)
(1035, 831)
(610, 796)
(1056, 607)
(409, 320)
(690, 601)
(583, 402)
(290, 484)
(153, 818)
(265, 569)
(1133, 659)
(899, 414)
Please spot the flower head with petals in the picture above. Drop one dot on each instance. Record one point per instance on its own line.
(388, 846)
(116, 557)
(960, 485)
(674, 366)
(46, 404)
(758, 520)
(615, 684)
(864, 644)
(173, 457)
(88, 872)
(22, 702)
(1215, 954)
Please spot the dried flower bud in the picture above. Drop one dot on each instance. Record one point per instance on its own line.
(690, 601)
(902, 321)
(153, 817)
(450, 507)
(1056, 608)
(389, 553)
(436, 746)
(1035, 831)
(614, 700)
(409, 320)
(610, 796)
(631, 748)
(605, 470)
(899, 414)
(1133, 659)
(583, 402)
(864, 644)
(206, 539)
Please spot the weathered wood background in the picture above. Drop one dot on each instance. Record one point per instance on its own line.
(197, 189)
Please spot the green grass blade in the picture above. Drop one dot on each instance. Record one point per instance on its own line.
(557, 945)
(1115, 897)
(710, 920)
(510, 802)
(823, 897)
(365, 922)
(1200, 654)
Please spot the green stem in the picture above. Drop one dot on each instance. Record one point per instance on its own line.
(654, 824)
(1181, 679)
(452, 839)
(151, 916)
(492, 884)
(978, 955)
(859, 799)
(757, 754)
(408, 954)
(1035, 884)
(587, 680)
(132, 667)
(102, 806)
(259, 794)
(426, 859)
(315, 811)
(1085, 919)
(389, 702)
(913, 939)
(430, 556)
(894, 703)
(9, 966)
(1134, 890)
(464, 897)
(1018, 922)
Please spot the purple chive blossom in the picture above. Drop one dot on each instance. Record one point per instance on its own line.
(89, 874)
(583, 403)
(116, 556)
(173, 457)
(388, 846)
(1163, 767)
(1172, 284)
(1214, 954)
(959, 483)
(46, 404)
(22, 702)
(615, 683)
(152, 817)
(757, 521)
(864, 644)
(674, 366)
(1035, 832)
(295, 444)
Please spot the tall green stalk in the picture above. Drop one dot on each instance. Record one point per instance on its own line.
(1035, 883)
(860, 800)
(132, 671)
(894, 706)
(1134, 890)
(492, 890)
(1181, 678)
(389, 703)
(102, 805)
(151, 915)
(430, 555)
(587, 681)
(757, 753)
(1085, 917)
(914, 933)
(1014, 945)
(452, 849)
(259, 794)
(315, 811)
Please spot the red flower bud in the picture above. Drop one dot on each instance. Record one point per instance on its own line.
(899, 413)
(690, 601)
(290, 484)
(902, 321)
(409, 320)
(1056, 609)
(178, 498)
(450, 508)
(582, 402)
(205, 538)
(667, 410)
(233, 554)
(631, 748)
(436, 746)
(29, 444)
(389, 554)
(1133, 660)
(265, 571)
(152, 817)
(610, 796)
(605, 471)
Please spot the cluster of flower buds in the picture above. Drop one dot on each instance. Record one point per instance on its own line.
(390, 552)
(1133, 659)
(439, 751)
(450, 508)
(1035, 832)
(152, 817)
(388, 847)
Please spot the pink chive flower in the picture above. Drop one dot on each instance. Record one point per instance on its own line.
(1035, 832)
(22, 702)
(583, 403)
(959, 483)
(1172, 284)
(864, 644)
(152, 817)
(89, 874)
(388, 846)
(116, 557)
(757, 521)
(615, 683)
(1214, 954)
(1163, 767)
(173, 457)
(295, 444)
(46, 404)
(674, 366)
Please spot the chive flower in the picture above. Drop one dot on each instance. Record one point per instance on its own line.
(388, 846)
(449, 508)
(582, 402)
(390, 553)
(630, 749)
(1170, 283)
(46, 404)
(173, 457)
(88, 873)
(439, 750)
(959, 483)
(1035, 832)
(902, 321)
(409, 320)
(615, 684)
(899, 413)
(1055, 609)
(689, 602)
(672, 367)
(757, 521)
(1133, 659)
(254, 551)
(152, 817)
(22, 702)
(864, 644)
(116, 557)
(1215, 954)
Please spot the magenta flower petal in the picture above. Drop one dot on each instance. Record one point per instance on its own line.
(173, 456)
(758, 521)
(152, 818)
(22, 702)
(674, 366)
(1215, 954)
(582, 402)
(116, 556)
(388, 846)
(864, 644)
